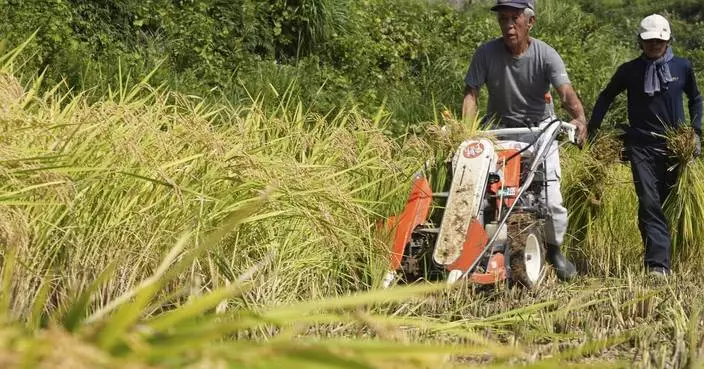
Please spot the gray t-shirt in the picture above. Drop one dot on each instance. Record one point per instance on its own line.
(517, 85)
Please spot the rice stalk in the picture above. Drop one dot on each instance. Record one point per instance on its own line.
(599, 195)
(685, 204)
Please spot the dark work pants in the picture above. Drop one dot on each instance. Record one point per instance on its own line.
(653, 181)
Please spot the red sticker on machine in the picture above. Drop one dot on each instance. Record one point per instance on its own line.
(473, 150)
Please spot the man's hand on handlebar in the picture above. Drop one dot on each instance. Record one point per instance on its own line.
(581, 126)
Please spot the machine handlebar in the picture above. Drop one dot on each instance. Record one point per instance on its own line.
(569, 129)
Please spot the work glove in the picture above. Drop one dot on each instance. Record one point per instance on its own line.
(581, 132)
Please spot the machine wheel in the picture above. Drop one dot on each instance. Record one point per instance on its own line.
(526, 245)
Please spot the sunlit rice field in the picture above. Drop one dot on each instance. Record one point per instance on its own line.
(148, 229)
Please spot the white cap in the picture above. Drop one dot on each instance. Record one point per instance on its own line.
(654, 26)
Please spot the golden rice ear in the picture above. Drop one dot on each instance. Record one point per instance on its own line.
(606, 147)
(11, 91)
(681, 143)
(15, 230)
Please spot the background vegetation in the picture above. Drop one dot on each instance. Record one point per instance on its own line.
(196, 184)
(331, 53)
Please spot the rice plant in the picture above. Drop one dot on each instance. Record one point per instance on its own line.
(151, 229)
(685, 204)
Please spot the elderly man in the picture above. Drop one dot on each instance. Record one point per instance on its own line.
(656, 82)
(518, 71)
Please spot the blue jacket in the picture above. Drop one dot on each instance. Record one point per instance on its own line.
(650, 114)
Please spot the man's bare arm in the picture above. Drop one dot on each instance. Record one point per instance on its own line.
(571, 103)
(469, 105)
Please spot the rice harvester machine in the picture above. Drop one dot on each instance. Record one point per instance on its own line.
(487, 223)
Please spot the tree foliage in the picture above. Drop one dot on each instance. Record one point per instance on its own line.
(410, 55)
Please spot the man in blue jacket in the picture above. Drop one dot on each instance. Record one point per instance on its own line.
(655, 82)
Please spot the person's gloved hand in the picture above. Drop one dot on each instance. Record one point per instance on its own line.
(581, 134)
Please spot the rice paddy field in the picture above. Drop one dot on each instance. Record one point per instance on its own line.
(151, 229)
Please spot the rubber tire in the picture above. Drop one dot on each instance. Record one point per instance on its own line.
(519, 227)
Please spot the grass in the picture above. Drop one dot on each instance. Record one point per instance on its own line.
(149, 229)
